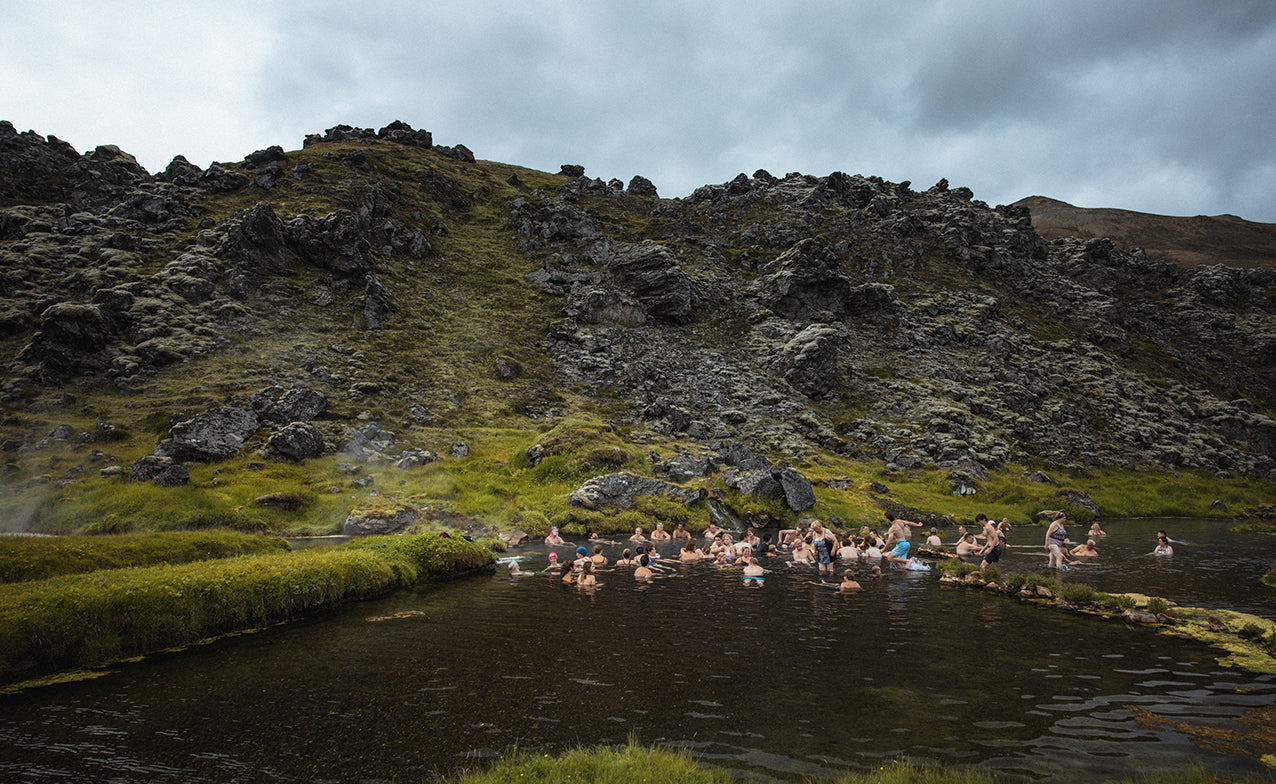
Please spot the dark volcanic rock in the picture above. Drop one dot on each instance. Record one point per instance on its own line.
(805, 284)
(298, 440)
(656, 278)
(160, 471)
(296, 404)
(641, 186)
(215, 434)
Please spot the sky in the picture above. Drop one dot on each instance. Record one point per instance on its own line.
(1164, 106)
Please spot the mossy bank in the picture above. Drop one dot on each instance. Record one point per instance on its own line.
(73, 621)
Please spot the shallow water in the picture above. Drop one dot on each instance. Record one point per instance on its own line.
(779, 681)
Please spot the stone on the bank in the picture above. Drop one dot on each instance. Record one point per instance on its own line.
(621, 488)
(513, 537)
(363, 522)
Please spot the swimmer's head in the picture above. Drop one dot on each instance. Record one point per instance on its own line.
(626, 553)
(644, 561)
(581, 551)
(553, 556)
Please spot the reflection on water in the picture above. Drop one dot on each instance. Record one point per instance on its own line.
(786, 680)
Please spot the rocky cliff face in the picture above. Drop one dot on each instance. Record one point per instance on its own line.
(797, 314)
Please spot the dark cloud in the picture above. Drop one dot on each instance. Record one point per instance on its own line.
(1161, 107)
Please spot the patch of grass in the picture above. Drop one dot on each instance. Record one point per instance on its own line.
(86, 619)
(1077, 594)
(39, 558)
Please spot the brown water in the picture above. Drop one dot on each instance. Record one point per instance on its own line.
(780, 681)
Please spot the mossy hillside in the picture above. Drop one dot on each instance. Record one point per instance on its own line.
(85, 620)
(460, 308)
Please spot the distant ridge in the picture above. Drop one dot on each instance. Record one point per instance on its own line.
(1191, 242)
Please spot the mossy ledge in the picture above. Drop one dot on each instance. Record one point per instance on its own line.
(635, 764)
(1249, 641)
(89, 620)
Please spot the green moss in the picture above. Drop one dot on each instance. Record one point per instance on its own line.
(39, 558)
(87, 619)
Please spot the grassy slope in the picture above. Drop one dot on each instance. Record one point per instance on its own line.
(458, 309)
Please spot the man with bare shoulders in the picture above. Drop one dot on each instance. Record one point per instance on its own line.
(681, 533)
(660, 534)
(967, 545)
(898, 534)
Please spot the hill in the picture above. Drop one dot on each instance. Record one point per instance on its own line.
(1191, 242)
(376, 320)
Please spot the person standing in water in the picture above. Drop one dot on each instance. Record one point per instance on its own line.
(1056, 539)
(898, 534)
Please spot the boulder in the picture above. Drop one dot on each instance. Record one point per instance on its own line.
(799, 495)
(620, 489)
(363, 522)
(412, 458)
(805, 284)
(298, 440)
(215, 434)
(641, 186)
(161, 471)
(656, 278)
(297, 404)
(809, 361)
(513, 537)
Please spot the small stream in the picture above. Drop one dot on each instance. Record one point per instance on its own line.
(781, 681)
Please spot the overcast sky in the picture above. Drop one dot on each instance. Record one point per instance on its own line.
(1164, 106)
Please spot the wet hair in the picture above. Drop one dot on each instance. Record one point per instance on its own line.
(848, 574)
(565, 570)
(598, 548)
(890, 517)
(981, 518)
(626, 553)
(644, 561)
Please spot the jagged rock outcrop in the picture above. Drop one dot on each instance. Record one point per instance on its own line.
(797, 313)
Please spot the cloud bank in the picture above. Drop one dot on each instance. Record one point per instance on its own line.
(1164, 107)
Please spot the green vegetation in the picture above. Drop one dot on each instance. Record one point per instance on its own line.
(634, 764)
(85, 620)
(500, 485)
(39, 558)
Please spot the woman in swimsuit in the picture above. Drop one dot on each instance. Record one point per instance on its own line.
(1162, 546)
(626, 558)
(1056, 538)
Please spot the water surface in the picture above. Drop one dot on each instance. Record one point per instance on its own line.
(782, 681)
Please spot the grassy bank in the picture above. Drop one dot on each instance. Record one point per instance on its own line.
(637, 765)
(39, 558)
(498, 484)
(1249, 641)
(82, 620)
